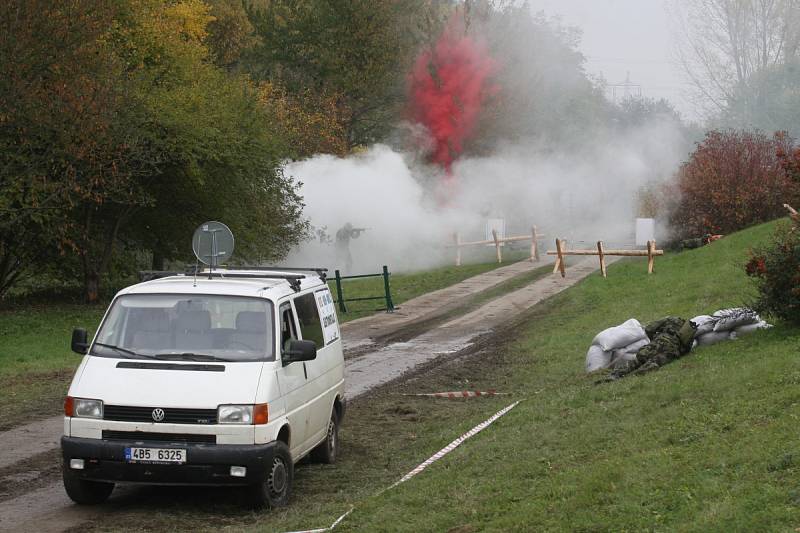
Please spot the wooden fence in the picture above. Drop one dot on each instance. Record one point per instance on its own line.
(498, 243)
(601, 252)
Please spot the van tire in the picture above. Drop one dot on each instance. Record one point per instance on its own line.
(277, 487)
(85, 492)
(327, 450)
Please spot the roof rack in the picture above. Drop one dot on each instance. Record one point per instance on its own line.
(293, 279)
(321, 272)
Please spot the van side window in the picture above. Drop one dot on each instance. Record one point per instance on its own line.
(307, 314)
(287, 326)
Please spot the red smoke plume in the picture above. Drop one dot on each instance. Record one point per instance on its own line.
(448, 85)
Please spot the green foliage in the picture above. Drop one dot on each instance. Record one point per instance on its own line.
(356, 51)
(732, 180)
(117, 130)
(775, 269)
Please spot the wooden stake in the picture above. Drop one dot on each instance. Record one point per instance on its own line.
(458, 249)
(560, 261)
(602, 259)
(497, 246)
(651, 247)
(534, 245)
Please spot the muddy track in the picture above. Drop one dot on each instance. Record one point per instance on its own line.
(405, 346)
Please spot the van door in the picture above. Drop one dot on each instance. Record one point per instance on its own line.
(292, 382)
(321, 379)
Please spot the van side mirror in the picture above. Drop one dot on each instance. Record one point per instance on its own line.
(299, 351)
(80, 343)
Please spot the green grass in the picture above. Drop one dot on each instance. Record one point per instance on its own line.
(36, 363)
(405, 286)
(707, 443)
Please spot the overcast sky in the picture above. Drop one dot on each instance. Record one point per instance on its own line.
(621, 36)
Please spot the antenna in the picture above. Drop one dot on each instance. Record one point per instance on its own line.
(212, 243)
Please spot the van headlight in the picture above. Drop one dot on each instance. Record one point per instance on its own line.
(86, 408)
(235, 414)
(243, 414)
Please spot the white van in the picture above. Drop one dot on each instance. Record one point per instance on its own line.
(223, 378)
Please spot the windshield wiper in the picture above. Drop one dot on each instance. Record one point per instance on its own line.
(122, 350)
(189, 356)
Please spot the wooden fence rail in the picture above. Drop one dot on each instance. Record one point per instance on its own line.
(498, 243)
(601, 252)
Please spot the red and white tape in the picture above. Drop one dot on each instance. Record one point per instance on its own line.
(460, 394)
(425, 464)
(321, 530)
(455, 444)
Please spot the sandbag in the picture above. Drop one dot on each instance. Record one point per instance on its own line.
(620, 336)
(620, 358)
(597, 358)
(750, 328)
(730, 319)
(631, 348)
(713, 337)
(704, 323)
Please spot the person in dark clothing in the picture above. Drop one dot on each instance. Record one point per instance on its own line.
(670, 339)
(343, 236)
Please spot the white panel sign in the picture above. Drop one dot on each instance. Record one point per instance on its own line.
(497, 224)
(645, 231)
(327, 314)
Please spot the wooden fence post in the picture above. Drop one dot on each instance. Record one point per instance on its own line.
(534, 246)
(497, 246)
(601, 253)
(651, 248)
(560, 266)
(458, 249)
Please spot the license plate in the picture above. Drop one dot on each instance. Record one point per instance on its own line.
(155, 455)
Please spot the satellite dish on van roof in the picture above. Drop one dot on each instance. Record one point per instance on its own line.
(212, 243)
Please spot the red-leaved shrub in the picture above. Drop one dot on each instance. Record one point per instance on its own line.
(776, 271)
(732, 180)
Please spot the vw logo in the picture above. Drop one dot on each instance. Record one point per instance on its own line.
(158, 414)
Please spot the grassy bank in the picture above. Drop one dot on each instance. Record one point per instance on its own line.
(36, 363)
(706, 443)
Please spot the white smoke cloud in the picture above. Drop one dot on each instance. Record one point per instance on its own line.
(587, 195)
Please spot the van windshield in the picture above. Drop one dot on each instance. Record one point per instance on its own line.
(182, 327)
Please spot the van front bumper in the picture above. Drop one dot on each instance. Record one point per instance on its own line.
(206, 464)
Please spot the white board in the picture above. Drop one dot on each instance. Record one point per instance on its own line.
(645, 231)
(497, 224)
(327, 315)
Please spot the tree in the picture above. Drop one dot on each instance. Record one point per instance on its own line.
(732, 180)
(354, 51)
(117, 130)
(544, 95)
(725, 43)
(57, 106)
(770, 101)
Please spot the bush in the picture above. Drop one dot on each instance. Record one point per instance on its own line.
(732, 180)
(776, 271)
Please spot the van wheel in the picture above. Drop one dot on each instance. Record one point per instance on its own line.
(328, 449)
(275, 490)
(86, 492)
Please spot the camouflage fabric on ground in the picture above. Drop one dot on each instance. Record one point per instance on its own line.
(670, 339)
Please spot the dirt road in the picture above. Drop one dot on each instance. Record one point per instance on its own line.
(372, 361)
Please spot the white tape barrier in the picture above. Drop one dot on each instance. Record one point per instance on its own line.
(460, 394)
(455, 444)
(422, 466)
